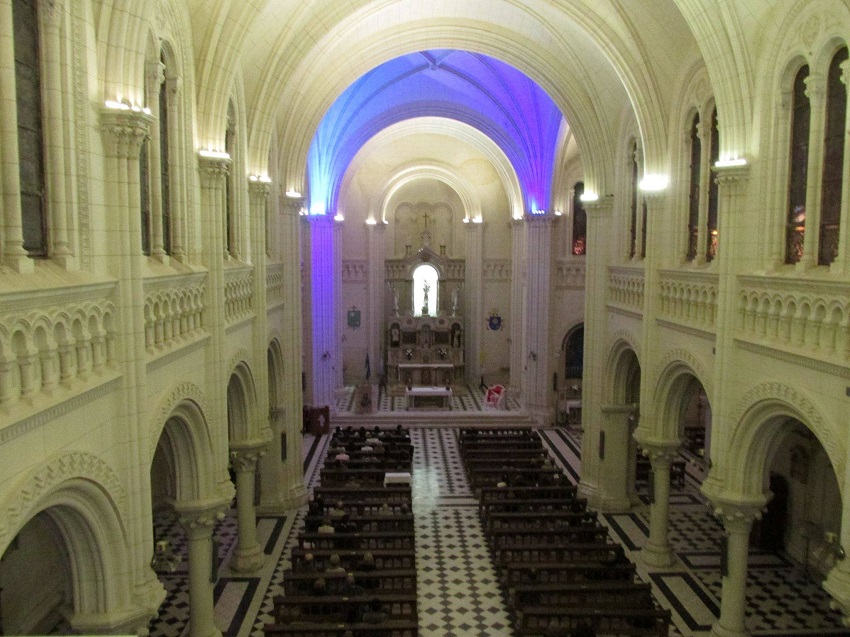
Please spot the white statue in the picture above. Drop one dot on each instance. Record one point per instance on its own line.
(455, 295)
(395, 298)
(426, 288)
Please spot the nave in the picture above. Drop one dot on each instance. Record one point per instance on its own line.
(458, 592)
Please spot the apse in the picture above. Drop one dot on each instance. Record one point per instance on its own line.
(481, 91)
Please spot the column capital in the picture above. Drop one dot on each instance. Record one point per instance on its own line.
(474, 226)
(737, 511)
(155, 73)
(125, 130)
(213, 168)
(815, 88)
(244, 458)
(199, 518)
(377, 227)
(601, 208)
(320, 220)
(731, 175)
(259, 189)
(538, 220)
(292, 206)
(659, 452)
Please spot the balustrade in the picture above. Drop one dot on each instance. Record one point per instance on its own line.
(174, 311)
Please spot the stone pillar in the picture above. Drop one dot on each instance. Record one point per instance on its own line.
(517, 311)
(815, 91)
(704, 132)
(657, 552)
(837, 582)
(737, 517)
(376, 318)
(199, 523)
(323, 260)
(248, 556)
(154, 79)
(14, 255)
(599, 237)
(536, 390)
(473, 296)
(842, 259)
(614, 458)
(55, 122)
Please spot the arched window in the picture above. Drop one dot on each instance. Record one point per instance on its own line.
(579, 221)
(229, 204)
(145, 196)
(694, 189)
(797, 174)
(633, 210)
(425, 282)
(833, 160)
(711, 223)
(30, 126)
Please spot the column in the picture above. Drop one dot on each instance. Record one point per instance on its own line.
(842, 260)
(517, 296)
(323, 259)
(178, 172)
(54, 129)
(154, 79)
(376, 319)
(537, 384)
(14, 255)
(248, 555)
(657, 551)
(599, 238)
(704, 132)
(199, 523)
(289, 408)
(614, 457)
(837, 582)
(737, 518)
(474, 284)
(815, 91)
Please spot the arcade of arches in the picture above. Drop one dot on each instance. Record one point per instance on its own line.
(633, 216)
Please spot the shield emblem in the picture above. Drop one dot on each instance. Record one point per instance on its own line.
(353, 318)
(494, 322)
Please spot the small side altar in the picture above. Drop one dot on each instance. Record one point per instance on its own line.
(428, 397)
(425, 351)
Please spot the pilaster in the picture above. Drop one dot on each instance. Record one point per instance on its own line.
(376, 318)
(536, 384)
(815, 91)
(841, 265)
(518, 317)
(323, 261)
(473, 299)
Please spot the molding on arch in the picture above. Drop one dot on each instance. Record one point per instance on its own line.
(243, 356)
(811, 416)
(690, 360)
(31, 490)
(177, 394)
(623, 336)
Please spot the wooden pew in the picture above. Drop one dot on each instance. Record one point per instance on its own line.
(498, 453)
(392, 494)
(340, 608)
(524, 520)
(306, 629)
(546, 620)
(622, 594)
(371, 523)
(358, 541)
(532, 505)
(505, 538)
(604, 552)
(386, 581)
(390, 559)
(566, 490)
(557, 572)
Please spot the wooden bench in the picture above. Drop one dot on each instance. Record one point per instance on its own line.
(532, 505)
(339, 608)
(525, 520)
(358, 541)
(498, 453)
(486, 445)
(367, 523)
(489, 494)
(490, 476)
(546, 620)
(386, 581)
(557, 572)
(306, 629)
(505, 538)
(623, 594)
(392, 494)
(603, 552)
(385, 559)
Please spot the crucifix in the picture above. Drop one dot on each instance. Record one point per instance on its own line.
(426, 220)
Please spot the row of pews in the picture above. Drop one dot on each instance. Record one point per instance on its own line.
(353, 571)
(562, 574)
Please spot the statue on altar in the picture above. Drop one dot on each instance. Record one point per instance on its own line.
(426, 289)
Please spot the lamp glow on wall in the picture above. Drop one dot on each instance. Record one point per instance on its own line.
(475, 89)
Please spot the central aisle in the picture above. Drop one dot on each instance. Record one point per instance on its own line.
(457, 587)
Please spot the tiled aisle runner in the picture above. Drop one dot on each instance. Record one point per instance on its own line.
(457, 587)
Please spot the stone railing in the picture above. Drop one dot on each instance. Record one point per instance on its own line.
(274, 284)
(355, 271)
(238, 293)
(625, 288)
(55, 341)
(569, 273)
(689, 298)
(497, 269)
(810, 318)
(174, 311)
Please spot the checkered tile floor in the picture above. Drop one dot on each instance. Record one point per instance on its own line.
(458, 593)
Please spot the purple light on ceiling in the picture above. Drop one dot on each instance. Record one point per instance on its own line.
(475, 89)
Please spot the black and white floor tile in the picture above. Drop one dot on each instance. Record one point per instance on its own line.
(458, 592)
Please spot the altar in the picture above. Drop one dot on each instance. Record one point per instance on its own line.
(426, 373)
(424, 351)
(428, 397)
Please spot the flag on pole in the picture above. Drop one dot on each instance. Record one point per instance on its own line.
(368, 367)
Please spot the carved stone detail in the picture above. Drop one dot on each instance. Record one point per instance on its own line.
(184, 391)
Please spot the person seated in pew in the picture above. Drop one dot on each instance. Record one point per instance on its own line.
(352, 483)
(375, 614)
(308, 563)
(320, 587)
(334, 565)
(337, 510)
(371, 460)
(379, 448)
(367, 447)
(347, 525)
(326, 527)
(351, 587)
(366, 563)
(342, 456)
(503, 482)
(385, 510)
